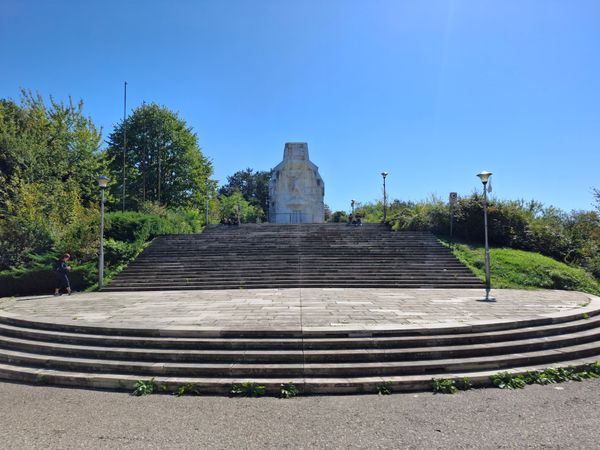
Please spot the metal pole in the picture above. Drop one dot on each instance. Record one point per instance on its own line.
(487, 248)
(206, 222)
(158, 180)
(124, 139)
(384, 202)
(101, 256)
(451, 219)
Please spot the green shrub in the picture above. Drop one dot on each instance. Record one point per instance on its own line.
(384, 388)
(144, 387)
(288, 390)
(505, 380)
(247, 389)
(186, 389)
(39, 281)
(118, 252)
(443, 386)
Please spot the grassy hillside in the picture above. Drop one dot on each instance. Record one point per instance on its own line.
(525, 270)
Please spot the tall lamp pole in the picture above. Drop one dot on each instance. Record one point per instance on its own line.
(485, 177)
(384, 174)
(124, 138)
(103, 183)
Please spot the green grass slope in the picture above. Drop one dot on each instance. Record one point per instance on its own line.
(525, 270)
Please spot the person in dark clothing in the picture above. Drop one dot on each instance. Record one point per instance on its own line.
(61, 271)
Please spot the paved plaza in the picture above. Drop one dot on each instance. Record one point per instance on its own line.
(294, 309)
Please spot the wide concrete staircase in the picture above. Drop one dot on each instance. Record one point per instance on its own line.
(338, 361)
(285, 256)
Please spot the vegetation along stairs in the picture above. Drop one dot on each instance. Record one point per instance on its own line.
(317, 361)
(285, 256)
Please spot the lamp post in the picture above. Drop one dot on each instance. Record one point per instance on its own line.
(352, 203)
(384, 174)
(103, 183)
(484, 177)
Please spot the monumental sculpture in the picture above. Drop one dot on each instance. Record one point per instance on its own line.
(296, 189)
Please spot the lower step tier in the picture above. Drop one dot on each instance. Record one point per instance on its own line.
(306, 386)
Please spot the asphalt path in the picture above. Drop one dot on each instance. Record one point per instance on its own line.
(550, 417)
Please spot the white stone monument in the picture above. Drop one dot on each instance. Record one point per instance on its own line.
(296, 189)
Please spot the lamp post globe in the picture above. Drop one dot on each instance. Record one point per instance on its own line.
(484, 176)
(384, 175)
(103, 184)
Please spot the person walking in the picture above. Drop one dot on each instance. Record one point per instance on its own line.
(61, 271)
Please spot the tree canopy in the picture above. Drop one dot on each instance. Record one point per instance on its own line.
(163, 161)
(254, 187)
(49, 161)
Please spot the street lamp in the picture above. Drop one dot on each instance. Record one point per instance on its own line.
(384, 174)
(103, 183)
(484, 177)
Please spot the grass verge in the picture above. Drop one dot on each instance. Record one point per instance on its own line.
(520, 269)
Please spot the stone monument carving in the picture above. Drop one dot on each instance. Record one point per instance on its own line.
(296, 189)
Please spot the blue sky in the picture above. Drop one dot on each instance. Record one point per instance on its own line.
(430, 91)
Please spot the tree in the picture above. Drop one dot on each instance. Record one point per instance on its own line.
(339, 216)
(597, 199)
(254, 187)
(232, 205)
(163, 162)
(49, 162)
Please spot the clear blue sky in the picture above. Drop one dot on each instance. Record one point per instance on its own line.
(430, 91)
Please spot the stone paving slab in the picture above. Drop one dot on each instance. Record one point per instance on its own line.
(293, 309)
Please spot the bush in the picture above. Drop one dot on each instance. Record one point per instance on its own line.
(119, 252)
(39, 281)
(126, 236)
(339, 217)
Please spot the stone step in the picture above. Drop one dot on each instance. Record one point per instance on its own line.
(222, 386)
(267, 285)
(280, 256)
(300, 354)
(306, 370)
(67, 335)
(307, 276)
(582, 318)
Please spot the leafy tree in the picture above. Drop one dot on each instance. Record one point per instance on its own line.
(254, 187)
(163, 162)
(328, 213)
(49, 162)
(339, 216)
(230, 205)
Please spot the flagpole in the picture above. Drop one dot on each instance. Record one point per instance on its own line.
(124, 138)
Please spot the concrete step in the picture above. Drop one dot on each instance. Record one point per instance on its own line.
(308, 341)
(222, 386)
(294, 256)
(305, 370)
(300, 354)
